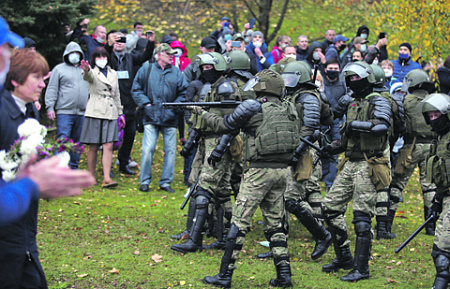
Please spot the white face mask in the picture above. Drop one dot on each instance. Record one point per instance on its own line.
(101, 63)
(316, 56)
(363, 47)
(364, 36)
(257, 44)
(284, 45)
(178, 53)
(375, 61)
(100, 40)
(388, 72)
(6, 55)
(291, 56)
(74, 58)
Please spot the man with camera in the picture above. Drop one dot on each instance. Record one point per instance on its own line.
(91, 41)
(133, 37)
(123, 63)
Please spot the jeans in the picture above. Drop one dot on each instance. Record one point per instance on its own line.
(70, 126)
(329, 171)
(149, 140)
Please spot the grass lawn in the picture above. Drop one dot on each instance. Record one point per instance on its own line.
(119, 238)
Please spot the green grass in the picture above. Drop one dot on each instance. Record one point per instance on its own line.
(120, 239)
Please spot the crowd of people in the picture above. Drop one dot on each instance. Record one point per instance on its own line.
(340, 97)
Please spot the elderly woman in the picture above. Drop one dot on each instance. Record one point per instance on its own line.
(19, 265)
(102, 111)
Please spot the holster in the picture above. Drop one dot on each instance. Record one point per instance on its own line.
(379, 171)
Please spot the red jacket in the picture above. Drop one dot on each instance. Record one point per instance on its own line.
(182, 61)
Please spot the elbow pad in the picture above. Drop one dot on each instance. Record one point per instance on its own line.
(191, 143)
(379, 129)
(217, 154)
(359, 126)
(241, 114)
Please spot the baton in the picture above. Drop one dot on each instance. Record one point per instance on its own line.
(416, 232)
(191, 191)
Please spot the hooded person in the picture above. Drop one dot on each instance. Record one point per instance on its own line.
(313, 53)
(363, 31)
(66, 97)
(167, 39)
(180, 60)
(257, 47)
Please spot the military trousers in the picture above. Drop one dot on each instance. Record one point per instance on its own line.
(442, 239)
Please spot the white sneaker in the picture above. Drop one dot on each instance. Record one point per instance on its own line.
(132, 164)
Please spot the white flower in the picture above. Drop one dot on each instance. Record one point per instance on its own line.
(31, 127)
(8, 175)
(64, 159)
(28, 145)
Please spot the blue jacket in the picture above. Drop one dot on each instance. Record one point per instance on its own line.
(269, 59)
(401, 69)
(18, 249)
(168, 85)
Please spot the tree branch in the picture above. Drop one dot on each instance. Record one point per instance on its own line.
(279, 23)
(251, 10)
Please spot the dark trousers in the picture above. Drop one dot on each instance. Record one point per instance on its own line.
(129, 133)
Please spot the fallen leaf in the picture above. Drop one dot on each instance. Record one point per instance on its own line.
(398, 263)
(77, 203)
(182, 283)
(412, 249)
(251, 278)
(136, 252)
(113, 271)
(81, 275)
(157, 258)
(392, 280)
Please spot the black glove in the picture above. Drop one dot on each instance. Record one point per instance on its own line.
(436, 208)
(325, 151)
(185, 152)
(215, 157)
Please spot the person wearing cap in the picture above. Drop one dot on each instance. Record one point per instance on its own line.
(404, 64)
(358, 43)
(225, 22)
(257, 47)
(334, 49)
(154, 84)
(30, 44)
(240, 37)
(208, 44)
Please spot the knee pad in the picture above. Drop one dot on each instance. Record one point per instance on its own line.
(442, 264)
(362, 228)
(293, 207)
(201, 202)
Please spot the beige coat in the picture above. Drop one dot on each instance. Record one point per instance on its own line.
(104, 98)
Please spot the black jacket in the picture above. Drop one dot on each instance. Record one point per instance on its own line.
(128, 63)
(18, 248)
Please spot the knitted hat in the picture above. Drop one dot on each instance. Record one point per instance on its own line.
(258, 33)
(407, 45)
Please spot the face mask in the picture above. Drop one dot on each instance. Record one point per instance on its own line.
(247, 39)
(178, 51)
(74, 58)
(364, 36)
(359, 87)
(316, 56)
(101, 63)
(441, 124)
(403, 56)
(291, 56)
(210, 75)
(332, 74)
(100, 40)
(228, 37)
(375, 61)
(388, 72)
(257, 44)
(342, 47)
(363, 47)
(354, 60)
(284, 45)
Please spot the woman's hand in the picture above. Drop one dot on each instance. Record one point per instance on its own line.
(84, 64)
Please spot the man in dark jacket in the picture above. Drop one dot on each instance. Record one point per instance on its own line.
(329, 39)
(91, 41)
(124, 64)
(336, 48)
(151, 87)
(302, 47)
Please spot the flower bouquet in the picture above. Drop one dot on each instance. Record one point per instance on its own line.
(32, 141)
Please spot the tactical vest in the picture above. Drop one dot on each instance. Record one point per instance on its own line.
(276, 134)
(438, 162)
(414, 120)
(362, 109)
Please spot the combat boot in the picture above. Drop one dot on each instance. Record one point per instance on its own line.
(344, 258)
(221, 280)
(283, 274)
(190, 220)
(382, 232)
(431, 226)
(194, 243)
(182, 236)
(318, 231)
(220, 242)
(268, 255)
(362, 252)
(391, 216)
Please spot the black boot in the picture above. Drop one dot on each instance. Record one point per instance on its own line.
(318, 231)
(431, 226)
(362, 252)
(382, 232)
(442, 272)
(126, 170)
(391, 216)
(283, 274)
(190, 220)
(344, 259)
(194, 243)
(223, 279)
(219, 243)
(268, 255)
